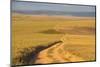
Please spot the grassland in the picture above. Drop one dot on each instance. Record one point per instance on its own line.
(30, 31)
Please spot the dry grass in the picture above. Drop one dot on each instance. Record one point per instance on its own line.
(31, 31)
(80, 45)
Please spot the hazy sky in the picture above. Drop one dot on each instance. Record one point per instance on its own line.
(31, 6)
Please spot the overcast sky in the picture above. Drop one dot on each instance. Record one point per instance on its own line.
(31, 6)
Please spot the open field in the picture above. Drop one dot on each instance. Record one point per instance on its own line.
(34, 32)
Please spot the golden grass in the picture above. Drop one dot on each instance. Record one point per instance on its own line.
(80, 45)
(34, 30)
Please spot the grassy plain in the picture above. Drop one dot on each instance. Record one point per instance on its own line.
(36, 30)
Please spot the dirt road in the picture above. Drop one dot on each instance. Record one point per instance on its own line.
(56, 54)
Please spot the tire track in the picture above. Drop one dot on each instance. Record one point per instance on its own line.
(71, 57)
(43, 56)
(56, 54)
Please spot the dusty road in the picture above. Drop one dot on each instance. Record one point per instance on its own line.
(56, 54)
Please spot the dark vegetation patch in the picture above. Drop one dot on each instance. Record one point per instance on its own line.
(51, 31)
(29, 55)
(72, 30)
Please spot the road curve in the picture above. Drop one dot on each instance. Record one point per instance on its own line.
(56, 54)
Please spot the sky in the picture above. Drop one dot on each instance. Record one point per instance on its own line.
(33, 6)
